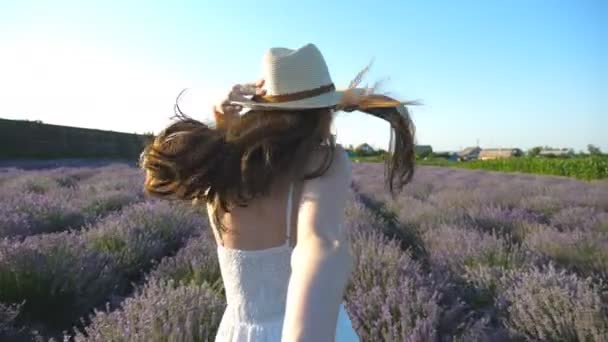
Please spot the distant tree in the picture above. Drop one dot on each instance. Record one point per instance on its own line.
(534, 151)
(444, 155)
(424, 154)
(594, 150)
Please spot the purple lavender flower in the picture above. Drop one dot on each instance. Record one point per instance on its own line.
(195, 263)
(57, 275)
(577, 218)
(547, 304)
(48, 201)
(459, 248)
(144, 232)
(389, 297)
(32, 213)
(585, 252)
(159, 311)
(479, 228)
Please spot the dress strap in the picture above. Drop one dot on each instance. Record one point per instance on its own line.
(289, 205)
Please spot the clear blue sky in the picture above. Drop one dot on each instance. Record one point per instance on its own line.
(509, 73)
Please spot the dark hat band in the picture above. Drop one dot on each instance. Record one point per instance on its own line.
(301, 95)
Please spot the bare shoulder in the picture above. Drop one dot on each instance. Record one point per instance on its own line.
(340, 167)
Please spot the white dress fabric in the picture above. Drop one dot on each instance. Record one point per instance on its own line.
(256, 283)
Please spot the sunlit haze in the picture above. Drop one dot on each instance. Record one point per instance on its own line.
(509, 74)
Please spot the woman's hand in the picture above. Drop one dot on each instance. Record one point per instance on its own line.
(225, 111)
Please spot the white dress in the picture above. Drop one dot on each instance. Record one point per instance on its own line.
(256, 283)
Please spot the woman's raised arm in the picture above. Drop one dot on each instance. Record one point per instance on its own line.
(321, 261)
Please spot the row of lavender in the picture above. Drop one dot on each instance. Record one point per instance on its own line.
(394, 295)
(391, 296)
(34, 202)
(76, 239)
(464, 266)
(519, 256)
(182, 298)
(64, 275)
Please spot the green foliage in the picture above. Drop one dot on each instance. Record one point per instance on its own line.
(367, 159)
(109, 244)
(594, 150)
(424, 154)
(534, 151)
(586, 168)
(440, 155)
(582, 168)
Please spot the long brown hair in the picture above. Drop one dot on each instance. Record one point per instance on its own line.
(231, 165)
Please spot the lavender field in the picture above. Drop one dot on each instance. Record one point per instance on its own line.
(461, 255)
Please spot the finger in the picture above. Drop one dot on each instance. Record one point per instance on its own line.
(238, 93)
(249, 89)
(260, 92)
(236, 98)
(252, 88)
(260, 82)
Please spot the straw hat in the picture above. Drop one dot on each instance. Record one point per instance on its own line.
(297, 79)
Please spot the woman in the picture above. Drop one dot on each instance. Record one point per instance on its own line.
(276, 185)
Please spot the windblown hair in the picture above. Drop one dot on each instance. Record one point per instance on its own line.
(229, 165)
(399, 166)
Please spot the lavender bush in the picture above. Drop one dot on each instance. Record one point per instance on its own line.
(195, 263)
(504, 204)
(192, 275)
(32, 213)
(578, 218)
(47, 201)
(34, 182)
(142, 233)
(481, 228)
(553, 305)
(57, 276)
(389, 298)
(459, 248)
(62, 276)
(161, 311)
(585, 252)
(546, 304)
(460, 255)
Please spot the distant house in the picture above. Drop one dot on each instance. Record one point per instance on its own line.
(497, 153)
(423, 149)
(563, 152)
(469, 153)
(364, 148)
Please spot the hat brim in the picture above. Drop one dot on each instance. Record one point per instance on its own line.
(321, 101)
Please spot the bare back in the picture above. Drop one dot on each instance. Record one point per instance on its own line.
(262, 224)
